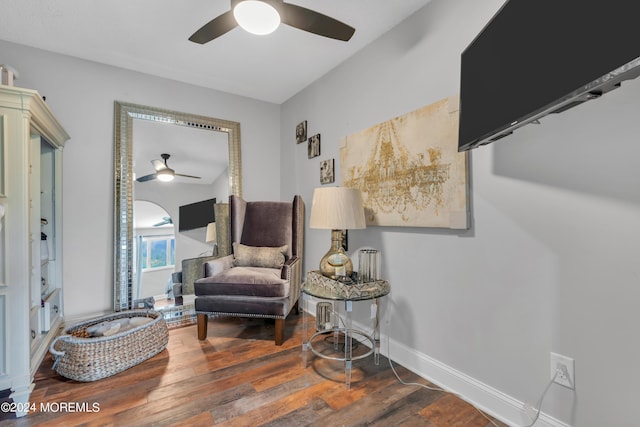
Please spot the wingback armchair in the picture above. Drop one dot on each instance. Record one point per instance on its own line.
(262, 276)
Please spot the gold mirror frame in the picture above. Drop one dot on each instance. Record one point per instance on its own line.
(123, 181)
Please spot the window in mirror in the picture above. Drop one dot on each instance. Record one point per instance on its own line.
(157, 252)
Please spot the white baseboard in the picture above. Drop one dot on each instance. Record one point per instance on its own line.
(484, 397)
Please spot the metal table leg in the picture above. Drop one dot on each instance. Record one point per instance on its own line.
(335, 315)
(348, 343)
(376, 333)
(305, 336)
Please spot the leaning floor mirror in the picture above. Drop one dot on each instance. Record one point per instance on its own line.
(166, 162)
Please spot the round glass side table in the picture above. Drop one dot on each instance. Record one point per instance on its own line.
(321, 287)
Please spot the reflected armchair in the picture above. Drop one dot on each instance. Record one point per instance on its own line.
(262, 277)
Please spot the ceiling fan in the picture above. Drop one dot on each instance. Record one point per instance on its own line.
(163, 171)
(264, 16)
(165, 220)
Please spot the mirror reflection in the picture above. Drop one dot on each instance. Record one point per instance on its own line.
(154, 252)
(202, 155)
(199, 163)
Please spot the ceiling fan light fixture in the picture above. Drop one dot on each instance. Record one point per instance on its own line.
(257, 17)
(165, 175)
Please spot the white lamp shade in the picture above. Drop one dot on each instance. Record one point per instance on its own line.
(256, 17)
(337, 208)
(211, 232)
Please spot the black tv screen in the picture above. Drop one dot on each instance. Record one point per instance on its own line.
(196, 215)
(536, 55)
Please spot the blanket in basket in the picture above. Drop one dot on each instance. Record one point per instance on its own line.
(80, 357)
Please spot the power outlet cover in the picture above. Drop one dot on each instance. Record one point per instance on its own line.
(564, 367)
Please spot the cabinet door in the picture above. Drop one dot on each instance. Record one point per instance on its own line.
(3, 204)
(34, 328)
(34, 222)
(2, 155)
(5, 381)
(49, 217)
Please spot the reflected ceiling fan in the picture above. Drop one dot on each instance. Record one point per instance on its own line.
(163, 171)
(264, 16)
(165, 220)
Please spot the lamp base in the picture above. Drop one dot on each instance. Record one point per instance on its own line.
(336, 264)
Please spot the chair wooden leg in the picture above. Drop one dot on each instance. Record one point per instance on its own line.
(296, 307)
(279, 331)
(203, 321)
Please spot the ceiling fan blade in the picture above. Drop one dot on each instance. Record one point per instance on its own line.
(215, 28)
(188, 176)
(315, 22)
(158, 164)
(146, 178)
(165, 220)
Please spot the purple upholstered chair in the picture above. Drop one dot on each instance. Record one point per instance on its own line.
(262, 277)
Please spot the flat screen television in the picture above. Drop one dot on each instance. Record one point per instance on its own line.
(196, 215)
(537, 57)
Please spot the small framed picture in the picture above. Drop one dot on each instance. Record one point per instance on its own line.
(301, 132)
(313, 147)
(326, 171)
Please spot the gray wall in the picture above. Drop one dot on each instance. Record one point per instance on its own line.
(551, 262)
(82, 94)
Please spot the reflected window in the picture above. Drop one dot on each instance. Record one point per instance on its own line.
(157, 252)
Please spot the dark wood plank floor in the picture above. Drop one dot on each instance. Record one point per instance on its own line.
(238, 377)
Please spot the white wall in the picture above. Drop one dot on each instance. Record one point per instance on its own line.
(82, 95)
(550, 263)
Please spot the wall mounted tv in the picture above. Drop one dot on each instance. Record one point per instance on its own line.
(537, 57)
(196, 215)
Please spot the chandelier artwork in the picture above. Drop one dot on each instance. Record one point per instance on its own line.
(409, 170)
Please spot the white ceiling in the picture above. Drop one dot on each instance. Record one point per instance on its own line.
(148, 214)
(151, 36)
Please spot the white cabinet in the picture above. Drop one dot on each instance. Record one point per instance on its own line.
(31, 291)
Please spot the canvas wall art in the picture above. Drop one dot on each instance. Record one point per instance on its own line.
(409, 170)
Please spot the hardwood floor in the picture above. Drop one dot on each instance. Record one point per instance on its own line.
(238, 377)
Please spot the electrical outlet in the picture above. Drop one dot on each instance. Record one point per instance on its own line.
(562, 370)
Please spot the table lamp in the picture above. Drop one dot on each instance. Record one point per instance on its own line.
(337, 209)
(212, 237)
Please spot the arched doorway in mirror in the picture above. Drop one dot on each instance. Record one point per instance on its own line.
(153, 254)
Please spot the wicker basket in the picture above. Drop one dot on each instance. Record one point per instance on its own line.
(82, 358)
